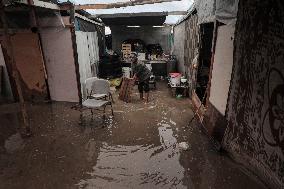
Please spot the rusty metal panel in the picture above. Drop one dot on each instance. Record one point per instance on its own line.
(29, 62)
(255, 133)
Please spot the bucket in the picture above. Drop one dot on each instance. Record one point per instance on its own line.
(175, 79)
(126, 72)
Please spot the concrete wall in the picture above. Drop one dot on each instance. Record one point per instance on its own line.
(148, 34)
(179, 38)
(60, 66)
(255, 111)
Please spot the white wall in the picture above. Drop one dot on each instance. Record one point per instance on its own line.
(88, 54)
(60, 66)
(222, 68)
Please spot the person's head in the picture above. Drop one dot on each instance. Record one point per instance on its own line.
(133, 58)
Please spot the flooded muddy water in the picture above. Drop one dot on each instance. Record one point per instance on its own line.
(137, 148)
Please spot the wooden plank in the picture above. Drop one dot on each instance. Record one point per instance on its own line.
(87, 19)
(120, 4)
(39, 3)
(127, 15)
(15, 74)
(126, 89)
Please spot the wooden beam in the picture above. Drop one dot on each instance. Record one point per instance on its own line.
(120, 4)
(123, 15)
(38, 3)
(15, 73)
(87, 19)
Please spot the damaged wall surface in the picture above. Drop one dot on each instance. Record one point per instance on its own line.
(191, 46)
(148, 34)
(255, 110)
(179, 38)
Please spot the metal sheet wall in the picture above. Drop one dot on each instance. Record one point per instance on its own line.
(29, 62)
(88, 54)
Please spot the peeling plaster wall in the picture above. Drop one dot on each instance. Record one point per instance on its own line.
(255, 111)
(58, 52)
(148, 34)
(179, 38)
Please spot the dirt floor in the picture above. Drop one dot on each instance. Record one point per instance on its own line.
(137, 148)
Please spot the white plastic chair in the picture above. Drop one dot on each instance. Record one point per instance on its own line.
(96, 90)
(94, 104)
(101, 89)
(89, 85)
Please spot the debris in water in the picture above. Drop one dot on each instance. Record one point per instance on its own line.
(172, 122)
(183, 145)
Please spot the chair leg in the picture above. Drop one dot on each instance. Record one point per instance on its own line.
(104, 116)
(110, 95)
(111, 109)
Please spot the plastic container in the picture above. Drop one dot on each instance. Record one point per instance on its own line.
(175, 79)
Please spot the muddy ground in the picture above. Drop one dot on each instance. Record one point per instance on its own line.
(137, 148)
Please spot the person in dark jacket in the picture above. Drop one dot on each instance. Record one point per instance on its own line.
(142, 74)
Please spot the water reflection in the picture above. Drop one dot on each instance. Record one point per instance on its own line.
(138, 166)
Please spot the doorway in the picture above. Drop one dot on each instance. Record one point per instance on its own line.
(205, 53)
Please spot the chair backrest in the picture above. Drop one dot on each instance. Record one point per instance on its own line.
(89, 82)
(101, 86)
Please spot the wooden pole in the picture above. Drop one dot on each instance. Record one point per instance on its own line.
(25, 129)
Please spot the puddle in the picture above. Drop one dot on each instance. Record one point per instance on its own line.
(14, 143)
(137, 166)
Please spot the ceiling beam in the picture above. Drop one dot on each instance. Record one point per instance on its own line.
(120, 4)
(38, 3)
(115, 15)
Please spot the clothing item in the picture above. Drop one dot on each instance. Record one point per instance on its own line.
(141, 71)
(144, 86)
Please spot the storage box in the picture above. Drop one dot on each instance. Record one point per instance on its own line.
(126, 50)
